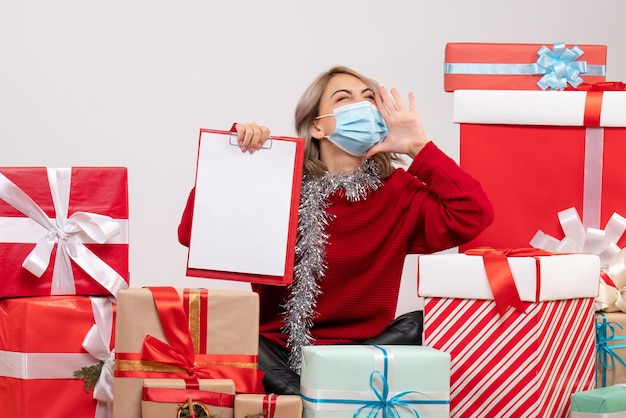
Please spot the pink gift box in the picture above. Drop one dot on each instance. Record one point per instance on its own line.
(63, 231)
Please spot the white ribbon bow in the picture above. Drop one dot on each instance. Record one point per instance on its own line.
(594, 241)
(96, 343)
(613, 298)
(68, 233)
(580, 240)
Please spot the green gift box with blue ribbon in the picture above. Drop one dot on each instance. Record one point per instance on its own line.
(610, 348)
(608, 402)
(344, 381)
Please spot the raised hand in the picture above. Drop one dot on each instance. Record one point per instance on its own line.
(406, 134)
(251, 137)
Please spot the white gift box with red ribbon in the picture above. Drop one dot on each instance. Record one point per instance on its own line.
(537, 278)
(528, 360)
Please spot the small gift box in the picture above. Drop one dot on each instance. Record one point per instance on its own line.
(543, 153)
(267, 406)
(63, 231)
(47, 345)
(611, 348)
(499, 66)
(346, 380)
(608, 402)
(518, 325)
(170, 333)
(172, 398)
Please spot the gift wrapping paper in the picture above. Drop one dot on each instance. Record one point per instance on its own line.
(162, 398)
(608, 402)
(544, 153)
(526, 359)
(612, 291)
(164, 332)
(345, 381)
(63, 231)
(506, 66)
(43, 341)
(267, 406)
(611, 348)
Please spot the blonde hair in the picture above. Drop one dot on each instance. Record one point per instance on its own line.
(308, 109)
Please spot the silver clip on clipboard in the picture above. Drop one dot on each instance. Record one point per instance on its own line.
(266, 145)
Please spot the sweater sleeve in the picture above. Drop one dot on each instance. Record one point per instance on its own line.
(184, 227)
(450, 208)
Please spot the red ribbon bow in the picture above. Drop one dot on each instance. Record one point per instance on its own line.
(499, 274)
(180, 352)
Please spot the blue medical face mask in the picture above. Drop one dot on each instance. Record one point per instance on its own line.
(358, 127)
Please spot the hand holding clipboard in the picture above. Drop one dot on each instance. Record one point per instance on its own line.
(246, 209)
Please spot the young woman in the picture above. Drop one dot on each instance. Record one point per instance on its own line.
(358, 219)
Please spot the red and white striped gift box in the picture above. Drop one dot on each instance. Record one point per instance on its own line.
(519, 364)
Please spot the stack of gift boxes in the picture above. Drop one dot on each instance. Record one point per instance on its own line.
(64, 246)
(528, 320)
(181, 350)
(74, 336)
(531, 310)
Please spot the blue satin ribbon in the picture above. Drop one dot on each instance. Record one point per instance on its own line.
(388, 406)
(558, 67)
(605, 334)
(383, 404)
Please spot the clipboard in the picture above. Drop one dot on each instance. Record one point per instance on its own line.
(246, 209)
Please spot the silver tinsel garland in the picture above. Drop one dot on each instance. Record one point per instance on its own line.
(310, 266)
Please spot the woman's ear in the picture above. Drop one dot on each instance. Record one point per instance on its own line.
(316, 131)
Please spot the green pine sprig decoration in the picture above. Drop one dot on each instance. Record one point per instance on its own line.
(184, 412)
(89, 375)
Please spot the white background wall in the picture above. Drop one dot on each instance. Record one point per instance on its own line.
(129, 83)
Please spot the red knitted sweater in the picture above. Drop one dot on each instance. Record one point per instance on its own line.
(432, 206)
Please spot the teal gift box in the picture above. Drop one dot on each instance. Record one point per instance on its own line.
(342, 381)
(608, 402)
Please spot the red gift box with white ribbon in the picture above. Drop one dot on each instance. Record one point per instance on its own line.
(44, 341)
(538, 153)
(63, 231)
(518, 325)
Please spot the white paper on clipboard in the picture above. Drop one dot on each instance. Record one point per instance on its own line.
(243, 207)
